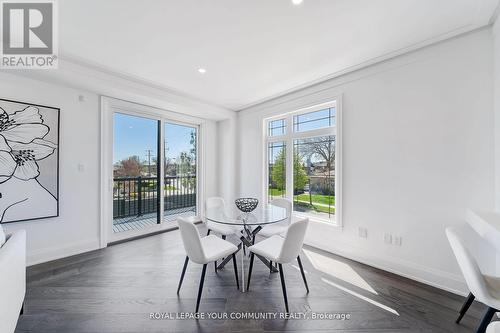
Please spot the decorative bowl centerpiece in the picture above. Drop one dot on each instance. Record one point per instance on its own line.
(246, 205)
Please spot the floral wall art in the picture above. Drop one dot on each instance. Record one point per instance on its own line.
(29, 161)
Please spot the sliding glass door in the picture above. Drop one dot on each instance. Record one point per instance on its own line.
(135, 172)
(180, 170)
(146, 194)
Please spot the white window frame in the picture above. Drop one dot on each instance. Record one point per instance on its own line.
(290, 136)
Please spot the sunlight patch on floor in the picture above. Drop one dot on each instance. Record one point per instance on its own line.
(364, 298)
(338, 270)
(298, 268)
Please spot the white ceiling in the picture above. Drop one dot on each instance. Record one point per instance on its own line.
(253, 50)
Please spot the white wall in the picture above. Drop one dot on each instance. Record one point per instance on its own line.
(211, 156)
(77, 228)
(227, 162)
(417, 152)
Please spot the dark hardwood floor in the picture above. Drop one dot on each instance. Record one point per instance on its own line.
(116, 289)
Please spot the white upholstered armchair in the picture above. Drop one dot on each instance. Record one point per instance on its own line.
(12, 280)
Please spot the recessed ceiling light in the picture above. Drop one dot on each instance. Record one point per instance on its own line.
(297, 2)
(202, 70)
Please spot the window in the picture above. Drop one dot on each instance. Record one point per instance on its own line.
(314, 176)
(277, 127)
(276, 170)
(303, 163)
(314, 120)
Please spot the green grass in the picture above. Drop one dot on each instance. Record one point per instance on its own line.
(303, 200)
(316, 198)
(324, 209)
(275, 192)
(305, 207)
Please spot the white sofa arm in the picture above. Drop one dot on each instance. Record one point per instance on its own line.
(12, 280)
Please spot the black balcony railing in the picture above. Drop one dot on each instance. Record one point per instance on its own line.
(136, 196)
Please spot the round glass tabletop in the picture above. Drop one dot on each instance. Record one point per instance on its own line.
(261, 215)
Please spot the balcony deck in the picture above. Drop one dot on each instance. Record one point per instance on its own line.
(146, 220)
(135, 200)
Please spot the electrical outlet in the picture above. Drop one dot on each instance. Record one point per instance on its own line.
(388, 238)
(398, 240)
(362, 232)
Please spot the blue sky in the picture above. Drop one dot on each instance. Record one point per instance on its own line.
(133, 135)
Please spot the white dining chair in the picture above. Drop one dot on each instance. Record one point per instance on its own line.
(281, 227)
(203, 251)
(484, 288)
(221, 229)
(282, 250)
(493, 327)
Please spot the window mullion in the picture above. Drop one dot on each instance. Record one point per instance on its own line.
(161, 169)
(289, 157)
(276, 138)
(314, 133)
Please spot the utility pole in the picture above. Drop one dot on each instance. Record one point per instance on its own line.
(148, 154)
(165, 155)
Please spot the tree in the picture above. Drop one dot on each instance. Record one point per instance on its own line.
(278, 175)
(129, 167)
(187, 163)
(278, 172)
(322, 147)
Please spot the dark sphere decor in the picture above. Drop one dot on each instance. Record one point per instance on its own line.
(246, 204)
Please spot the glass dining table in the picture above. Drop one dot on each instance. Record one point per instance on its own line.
(249, 225)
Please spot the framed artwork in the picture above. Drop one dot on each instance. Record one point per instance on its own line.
(29, 161)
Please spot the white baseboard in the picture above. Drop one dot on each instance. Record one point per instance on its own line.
(437, 278)
(58, 252)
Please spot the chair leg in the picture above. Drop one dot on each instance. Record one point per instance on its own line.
(283, 286)
(252, 255)
(465, 307)
(236, 272)
(270, 266)
(486, 320)
(224, 238)
(215, 266)
(208, 232)
(182, 274)
(200, 290)
(303, 274)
